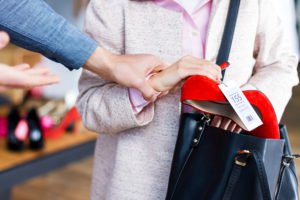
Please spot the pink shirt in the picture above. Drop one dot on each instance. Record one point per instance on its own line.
(196, 14)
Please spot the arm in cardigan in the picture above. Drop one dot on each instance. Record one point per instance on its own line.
(105, 106)
(275, 71)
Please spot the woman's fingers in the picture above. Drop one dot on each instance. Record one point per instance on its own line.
(205, 64)
(225, 123)
(232, 126)
(216, 122)
(166, 79)
(204, 72)
(237, 129)
(189, 66)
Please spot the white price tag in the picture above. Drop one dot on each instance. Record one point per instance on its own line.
(240, 105)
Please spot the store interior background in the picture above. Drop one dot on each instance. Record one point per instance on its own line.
(73, 181)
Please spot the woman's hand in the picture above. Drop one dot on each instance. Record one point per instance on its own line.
(169, 78)
(225, 124)
(187, 66)
(22, 76)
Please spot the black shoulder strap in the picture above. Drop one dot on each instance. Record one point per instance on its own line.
(227, 38)
(237, 170)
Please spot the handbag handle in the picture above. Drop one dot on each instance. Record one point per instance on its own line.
(227, 37)
(240, 163)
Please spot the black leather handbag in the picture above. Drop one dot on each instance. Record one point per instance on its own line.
(213, 164)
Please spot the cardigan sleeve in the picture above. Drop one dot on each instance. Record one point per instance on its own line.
(105, 106)
(275, 71)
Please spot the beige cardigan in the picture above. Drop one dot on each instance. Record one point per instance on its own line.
(133, 155)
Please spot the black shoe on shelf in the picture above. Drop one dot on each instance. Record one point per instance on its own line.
(36, 139)
(13, 142)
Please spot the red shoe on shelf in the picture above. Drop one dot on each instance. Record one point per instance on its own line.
(205, 95)
(71, 117)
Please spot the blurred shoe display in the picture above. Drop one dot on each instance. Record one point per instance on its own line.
(15, 136)
(36, 138)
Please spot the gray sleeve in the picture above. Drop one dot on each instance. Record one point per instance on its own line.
(105, 106)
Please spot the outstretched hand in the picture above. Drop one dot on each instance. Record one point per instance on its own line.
(22, 76)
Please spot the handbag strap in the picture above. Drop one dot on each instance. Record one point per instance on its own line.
(240, 163)
(227, 37)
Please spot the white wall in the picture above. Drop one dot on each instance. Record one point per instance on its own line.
(69, 80)
(287, 11)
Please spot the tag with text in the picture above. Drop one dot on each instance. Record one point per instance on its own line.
(241, 105)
